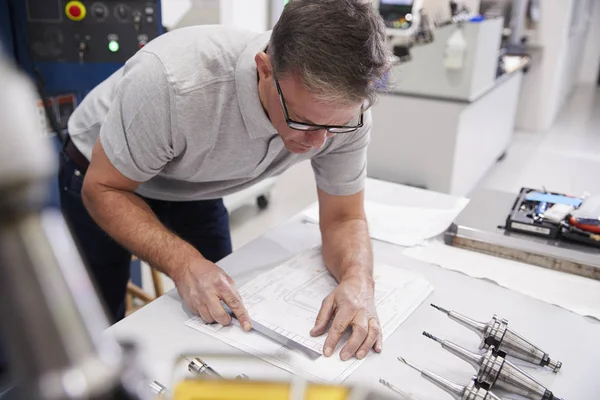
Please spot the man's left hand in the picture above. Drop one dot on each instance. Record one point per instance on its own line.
(352, 305)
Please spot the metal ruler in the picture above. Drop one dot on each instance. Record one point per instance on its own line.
(278, 337)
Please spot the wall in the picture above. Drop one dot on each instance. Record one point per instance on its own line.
(590, 66)
(549, 83)
(570, 63)
(246, 14)
(202, 12)
(440, 9)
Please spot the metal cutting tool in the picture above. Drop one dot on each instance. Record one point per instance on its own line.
(496, 333)
(495, 371)
(471, 391)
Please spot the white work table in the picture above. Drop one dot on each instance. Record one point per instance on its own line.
(161, 334)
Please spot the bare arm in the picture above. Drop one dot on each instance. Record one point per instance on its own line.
(346, 243)
(347, 253)
(110, 199)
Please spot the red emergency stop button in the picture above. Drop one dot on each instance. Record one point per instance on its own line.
(75, 10)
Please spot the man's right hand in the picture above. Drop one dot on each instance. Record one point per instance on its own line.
(202, 285)
(109, 196)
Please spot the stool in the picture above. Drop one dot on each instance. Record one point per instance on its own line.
(136, 292)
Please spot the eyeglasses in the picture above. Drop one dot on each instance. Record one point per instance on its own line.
(302, 126)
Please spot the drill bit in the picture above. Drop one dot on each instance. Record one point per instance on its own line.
(459, 392)
(440, 309)
(476, 360)
(402, 360)
(494, 370)
(394, 389)
(430, 336)
(497, 334)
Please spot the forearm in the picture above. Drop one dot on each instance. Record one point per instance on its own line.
(132, 223)
(347, 249)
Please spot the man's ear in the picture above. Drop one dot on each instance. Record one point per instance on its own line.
(263, 65)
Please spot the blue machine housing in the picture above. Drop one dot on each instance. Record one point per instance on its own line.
(61, 73)
(46, 43)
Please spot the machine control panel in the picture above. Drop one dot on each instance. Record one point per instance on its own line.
(397, 14)
(108, 31)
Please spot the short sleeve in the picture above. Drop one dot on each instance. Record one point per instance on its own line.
(136, 134)
(343, 170)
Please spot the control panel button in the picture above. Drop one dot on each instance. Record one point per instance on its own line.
(75, 10)
(122, 11)
(113, 46)
(149, 11)
(149, 20)
(137, 17)
(99, 11)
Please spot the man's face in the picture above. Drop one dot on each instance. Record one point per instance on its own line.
(301, 106)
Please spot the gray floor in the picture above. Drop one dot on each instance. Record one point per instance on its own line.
(563, 159)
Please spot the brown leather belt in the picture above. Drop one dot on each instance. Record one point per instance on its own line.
(79, 159)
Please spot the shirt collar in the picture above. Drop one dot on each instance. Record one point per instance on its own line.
(246, 84)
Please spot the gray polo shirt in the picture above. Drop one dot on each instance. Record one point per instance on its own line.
(183, 117)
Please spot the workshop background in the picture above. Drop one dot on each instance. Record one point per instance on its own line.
(550, 135)
(493, 106)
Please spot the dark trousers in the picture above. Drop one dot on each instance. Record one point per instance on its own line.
(203, 224)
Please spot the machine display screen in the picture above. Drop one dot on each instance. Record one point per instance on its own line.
(397, 2)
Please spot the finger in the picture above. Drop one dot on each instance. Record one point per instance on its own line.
(360, 329)
(340, 323)
(218, 312)
(371, 339)
(379, 341)
(324, 316)
(205, 314)
(232, 298)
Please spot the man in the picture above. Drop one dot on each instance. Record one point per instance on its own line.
(205, 111)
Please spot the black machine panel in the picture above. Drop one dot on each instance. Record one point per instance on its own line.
(396, 14)
(89, 31)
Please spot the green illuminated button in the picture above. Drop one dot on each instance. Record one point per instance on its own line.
(113, 46)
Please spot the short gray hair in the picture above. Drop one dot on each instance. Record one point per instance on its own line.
(336, 47)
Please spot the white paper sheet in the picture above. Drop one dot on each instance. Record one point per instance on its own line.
(289, 298)
(572, 292)
(404, 226)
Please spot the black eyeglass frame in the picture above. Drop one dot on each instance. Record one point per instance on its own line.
(303, 126)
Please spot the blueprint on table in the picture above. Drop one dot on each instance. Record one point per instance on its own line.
(288, 299)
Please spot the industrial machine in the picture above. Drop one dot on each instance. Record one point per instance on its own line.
(542, 228)
(68, 47)
(400, 15)
(406, 24)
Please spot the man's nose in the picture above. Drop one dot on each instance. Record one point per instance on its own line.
(317, 138)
